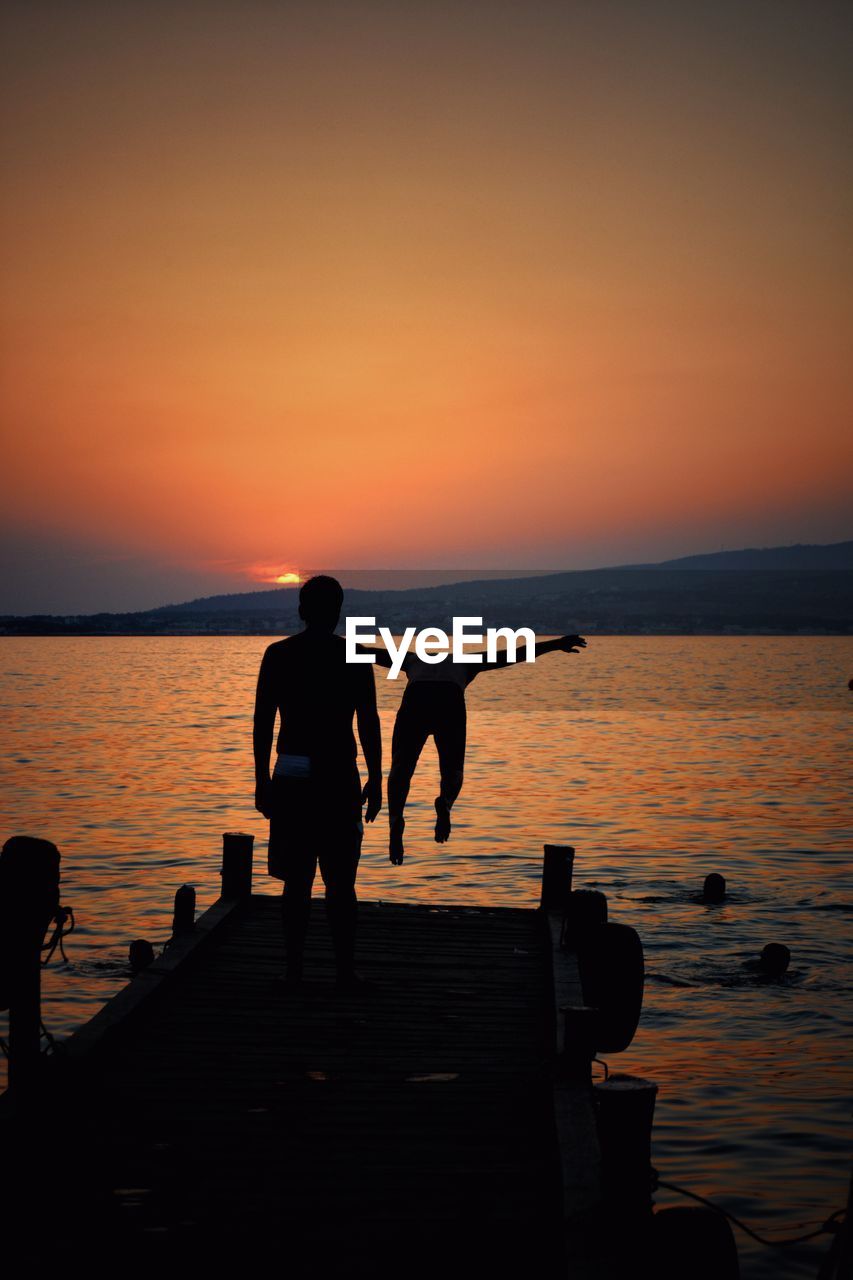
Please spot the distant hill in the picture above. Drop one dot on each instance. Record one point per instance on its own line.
(837, 556)
(834, 555)
(779, 590)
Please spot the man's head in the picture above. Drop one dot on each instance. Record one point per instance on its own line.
(320, 601)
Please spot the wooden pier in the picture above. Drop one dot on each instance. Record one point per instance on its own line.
(419, 1126)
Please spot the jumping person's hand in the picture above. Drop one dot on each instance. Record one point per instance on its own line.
(371, 795)
(571, 644)
(263, 799)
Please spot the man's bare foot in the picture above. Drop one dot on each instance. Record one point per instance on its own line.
(442, 820)
(395, 845)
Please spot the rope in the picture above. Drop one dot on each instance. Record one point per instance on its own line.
(62, 917)
(830, 1225)
(51, 1040)
(831, 1265)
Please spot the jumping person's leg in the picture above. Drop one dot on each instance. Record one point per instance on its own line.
(450, 736)
(407, 743)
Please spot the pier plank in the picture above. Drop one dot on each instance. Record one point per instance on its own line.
(416, 1127)
(415, 1116)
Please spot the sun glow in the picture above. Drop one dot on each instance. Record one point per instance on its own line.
(275, 575)
(263, 280)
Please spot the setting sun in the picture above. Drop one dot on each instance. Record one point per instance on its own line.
(273, 574)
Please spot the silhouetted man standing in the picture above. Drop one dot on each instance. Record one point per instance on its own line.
(314, 797)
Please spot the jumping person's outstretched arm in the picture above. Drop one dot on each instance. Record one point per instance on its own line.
(383, 657)
(563, 644)
(370, 737)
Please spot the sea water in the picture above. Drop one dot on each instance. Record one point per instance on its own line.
(659, 758)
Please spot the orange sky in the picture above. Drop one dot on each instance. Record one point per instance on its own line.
(549, 284)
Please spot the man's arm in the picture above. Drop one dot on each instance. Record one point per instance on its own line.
(370, 737)
(562, 644)
(264, 723)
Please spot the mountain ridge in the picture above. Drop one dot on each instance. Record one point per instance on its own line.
(798, 556)
(715, 594)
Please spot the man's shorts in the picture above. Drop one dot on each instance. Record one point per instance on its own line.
(315, 820)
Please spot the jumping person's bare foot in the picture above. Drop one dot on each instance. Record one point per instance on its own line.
(395, 845)
(442, 820)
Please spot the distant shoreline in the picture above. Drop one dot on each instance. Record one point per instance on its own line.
(189, 633)
(658, 600)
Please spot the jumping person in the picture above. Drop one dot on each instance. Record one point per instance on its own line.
(433, 705)
(314, 797)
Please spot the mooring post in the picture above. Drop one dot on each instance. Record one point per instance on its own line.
(29, 900)
(557, 867)
(237, 864)
(579, 1037)
(625, 1107)
(183, 916)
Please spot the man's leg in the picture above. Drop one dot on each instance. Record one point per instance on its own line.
(407, 743)
(450, 744)
(338, 867)
(296, 912)
(292, 857)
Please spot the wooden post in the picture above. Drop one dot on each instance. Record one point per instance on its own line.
(29, 900)
(183, 917)
(237, 864)
(625, 1108)
(557, 876)
(579, 1033)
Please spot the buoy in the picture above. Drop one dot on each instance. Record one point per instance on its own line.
(29, 900)
(140, 955)
(612, 973)
(695, 1242)
(775, 959)
(714, 888)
